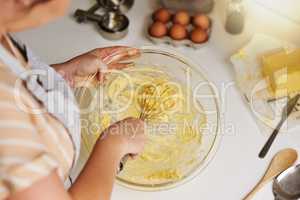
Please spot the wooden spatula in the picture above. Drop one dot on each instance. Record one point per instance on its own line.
(280, 162)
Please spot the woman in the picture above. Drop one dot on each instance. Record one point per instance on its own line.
(37, 151)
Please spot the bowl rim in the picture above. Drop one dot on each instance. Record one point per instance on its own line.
(216, 141)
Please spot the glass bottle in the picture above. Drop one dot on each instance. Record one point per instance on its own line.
(235, 17)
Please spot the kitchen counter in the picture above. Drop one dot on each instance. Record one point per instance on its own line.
(236, 167)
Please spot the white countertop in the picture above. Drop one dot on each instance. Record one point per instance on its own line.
(236, 166)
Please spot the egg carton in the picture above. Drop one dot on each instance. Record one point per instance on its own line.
(178, 43)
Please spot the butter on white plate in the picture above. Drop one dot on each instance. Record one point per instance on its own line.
(282, 70)
(254, 80)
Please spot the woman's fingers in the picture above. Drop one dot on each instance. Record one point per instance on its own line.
(101, 76)
(114, 57)
(115, 54)
(105, 52)
(123, 55)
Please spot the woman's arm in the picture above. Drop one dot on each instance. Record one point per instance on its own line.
(96, 179)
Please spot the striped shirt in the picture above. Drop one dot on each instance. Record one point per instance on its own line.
(31, 145)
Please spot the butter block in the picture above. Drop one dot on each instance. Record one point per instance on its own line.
(282, 69)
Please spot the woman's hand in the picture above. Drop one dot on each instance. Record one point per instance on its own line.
(95, 62)
(96, 180)
(127, 136)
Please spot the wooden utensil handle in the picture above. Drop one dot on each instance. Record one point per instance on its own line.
(251, 194)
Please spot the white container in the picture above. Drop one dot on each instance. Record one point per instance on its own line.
(178, 43)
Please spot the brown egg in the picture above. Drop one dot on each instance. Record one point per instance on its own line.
(181, 17)
(198, 35)
(201, 20)
(178, 32)
(162, 15)
(158, 29)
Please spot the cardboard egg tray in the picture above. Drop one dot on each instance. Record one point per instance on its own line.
(177, 43)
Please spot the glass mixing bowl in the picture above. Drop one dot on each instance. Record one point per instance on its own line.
(203, 94)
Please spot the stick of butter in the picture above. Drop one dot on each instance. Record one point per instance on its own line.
(282, 69)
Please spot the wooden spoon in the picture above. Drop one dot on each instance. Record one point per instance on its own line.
(280, 162)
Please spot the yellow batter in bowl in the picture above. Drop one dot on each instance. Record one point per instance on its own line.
(179, 145)
(173, 136)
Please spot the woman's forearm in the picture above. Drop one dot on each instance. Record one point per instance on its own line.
(96, 179)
